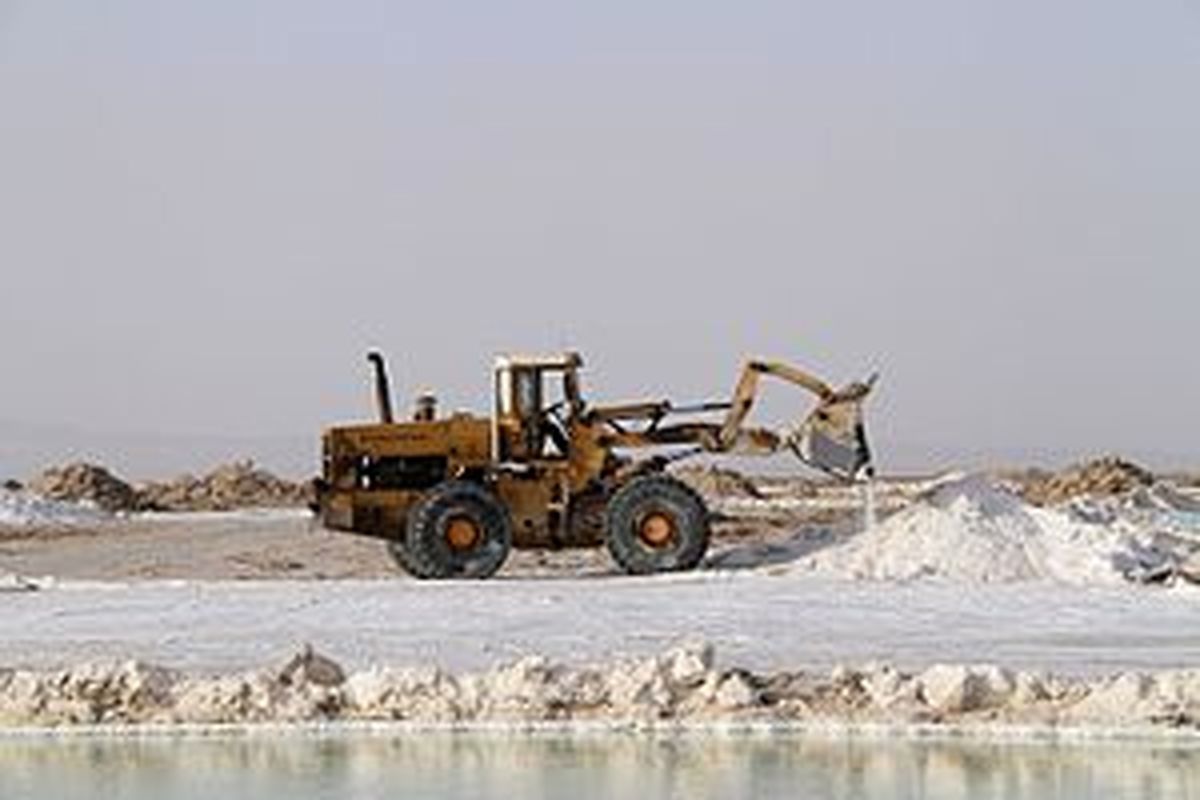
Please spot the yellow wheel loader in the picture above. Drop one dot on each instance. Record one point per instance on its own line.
(452, 495)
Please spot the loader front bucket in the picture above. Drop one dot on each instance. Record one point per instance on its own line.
(833, 438)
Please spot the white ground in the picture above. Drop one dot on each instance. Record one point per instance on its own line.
(220, 592)
(755, 619)
(18, 508)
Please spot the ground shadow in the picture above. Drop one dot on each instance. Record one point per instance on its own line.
(780, 547)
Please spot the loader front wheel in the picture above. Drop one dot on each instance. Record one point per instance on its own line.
(398, 549)
(656, 523)
(458, 530)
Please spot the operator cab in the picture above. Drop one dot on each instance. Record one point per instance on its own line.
(536, 398)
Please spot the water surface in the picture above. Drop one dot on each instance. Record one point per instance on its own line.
(461, 766)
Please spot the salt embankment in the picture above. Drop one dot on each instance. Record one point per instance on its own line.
(682, 686)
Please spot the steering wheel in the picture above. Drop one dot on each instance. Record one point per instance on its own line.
(555, 410)
(556, 426)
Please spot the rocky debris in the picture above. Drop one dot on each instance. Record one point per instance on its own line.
(956, 688)
(1170, 698)
(719, 482)
(883, 684)
(415, 693)
(88, 694)
(228, 487)
(689, 664)
(1189, 568)
(1185, 478)
(681, 686)
(12, 485)
(735, 691)
(1102, 477)
(309, 666)
(81, 482)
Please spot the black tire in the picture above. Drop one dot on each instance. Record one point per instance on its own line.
(648, 503)
(428, 535)
(399, 553)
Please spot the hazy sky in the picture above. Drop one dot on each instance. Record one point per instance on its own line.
(208, 210)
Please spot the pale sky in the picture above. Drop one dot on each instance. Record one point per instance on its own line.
(209, 210)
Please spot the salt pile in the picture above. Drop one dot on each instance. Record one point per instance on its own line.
(238, 485)
(25, 509)
(971, 529)
(713, 481)
(1103, 477)
(83, 482)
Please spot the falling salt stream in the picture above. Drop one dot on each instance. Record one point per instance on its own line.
(869, 514)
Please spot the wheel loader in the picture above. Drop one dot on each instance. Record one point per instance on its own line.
(453, 494)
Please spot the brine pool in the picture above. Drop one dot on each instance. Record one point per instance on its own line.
(458, 766)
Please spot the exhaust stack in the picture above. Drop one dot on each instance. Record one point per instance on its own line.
(383, 389)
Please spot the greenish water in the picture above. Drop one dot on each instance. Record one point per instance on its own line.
(462, 766)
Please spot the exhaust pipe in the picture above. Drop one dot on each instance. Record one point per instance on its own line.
(383, 389)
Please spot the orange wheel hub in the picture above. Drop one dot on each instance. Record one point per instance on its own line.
(462, 533)
(657, 529)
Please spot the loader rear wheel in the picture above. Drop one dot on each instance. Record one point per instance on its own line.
(458, 530)
(655, 523)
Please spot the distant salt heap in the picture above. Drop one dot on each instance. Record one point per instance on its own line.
(238, 485)
(81, 482)
(970, 529)
(1110, 476)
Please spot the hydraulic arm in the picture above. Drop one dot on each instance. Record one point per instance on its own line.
(832, 437)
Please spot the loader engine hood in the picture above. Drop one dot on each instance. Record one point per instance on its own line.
(833, 438)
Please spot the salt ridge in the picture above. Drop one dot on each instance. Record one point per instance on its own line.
(682, 686)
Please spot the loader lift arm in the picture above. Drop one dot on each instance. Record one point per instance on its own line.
(832, 438)
(746, 391)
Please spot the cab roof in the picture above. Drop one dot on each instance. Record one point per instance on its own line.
(567, 360)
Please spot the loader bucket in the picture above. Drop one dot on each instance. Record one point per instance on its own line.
(833, 438)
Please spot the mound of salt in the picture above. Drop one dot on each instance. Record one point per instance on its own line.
(973, 530)
(81, 482)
